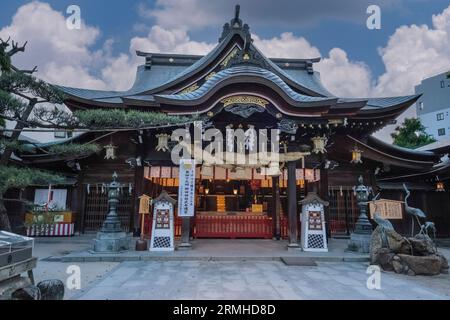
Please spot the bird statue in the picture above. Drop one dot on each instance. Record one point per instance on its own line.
(413, 212)
(428, 226)
(382, 223)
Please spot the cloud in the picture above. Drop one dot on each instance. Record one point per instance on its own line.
(66, 56)
(62, 55)
(413, 53)
(195, 14)
(169, 41)
(335, 68)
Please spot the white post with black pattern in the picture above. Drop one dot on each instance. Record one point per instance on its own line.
(163, 224)
(314, 235)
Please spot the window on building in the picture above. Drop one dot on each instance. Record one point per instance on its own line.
(62, 134)
(440, 116)
(421, 105)
(442, 84)
(441, 132)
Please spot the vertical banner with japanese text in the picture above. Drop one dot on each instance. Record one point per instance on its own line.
(186, 191)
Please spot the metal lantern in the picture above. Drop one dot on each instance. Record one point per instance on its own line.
(319, 144)
(356, 156)
(110, 152)
(440, 186)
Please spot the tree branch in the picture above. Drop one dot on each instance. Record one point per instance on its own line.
(15, 48)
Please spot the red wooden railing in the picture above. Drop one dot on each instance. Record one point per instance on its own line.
(284, 228)
(233, 227)
(337, 226)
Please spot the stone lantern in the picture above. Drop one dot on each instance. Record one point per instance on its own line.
(360, 238)
(111, 238)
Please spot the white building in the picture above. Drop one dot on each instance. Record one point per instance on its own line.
(433, 108)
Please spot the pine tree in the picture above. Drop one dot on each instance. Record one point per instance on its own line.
(24, 100)
(411, 134)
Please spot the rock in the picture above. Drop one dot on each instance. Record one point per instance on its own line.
(397, 243)
(422, 245)
(28, 293)
(421, 265)
(444, 263)
(51, 289)
(383, 257)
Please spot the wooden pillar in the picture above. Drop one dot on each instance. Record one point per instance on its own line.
(292, 205)
(185, 230)
(276, 208)
(138, 190)
(324, 195)
(81, 203)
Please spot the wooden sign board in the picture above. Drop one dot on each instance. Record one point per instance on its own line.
(257, 208)
(388, 209)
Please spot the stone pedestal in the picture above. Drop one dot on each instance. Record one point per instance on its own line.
(294, 247)
(112, 242)
(359, 243)
(185, 234)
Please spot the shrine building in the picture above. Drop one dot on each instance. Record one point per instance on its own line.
(325, 143)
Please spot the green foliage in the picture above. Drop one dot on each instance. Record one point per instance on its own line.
(22, 83)
(411, 134)
(74, 149)
(14, 145)
(95, 119)
(116, 118)
(9, 105)
(14, 177)
(5, 61)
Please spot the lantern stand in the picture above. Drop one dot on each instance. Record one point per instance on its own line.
(111, 238)
(360, 238)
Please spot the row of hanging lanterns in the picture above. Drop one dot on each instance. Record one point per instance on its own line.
(319, 146)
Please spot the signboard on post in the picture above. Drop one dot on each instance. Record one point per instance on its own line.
(314, 236)
(163, 224)
(186, 191)
(387, 209)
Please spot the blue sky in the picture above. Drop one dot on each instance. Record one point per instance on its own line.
(413, 43)
(116, 19)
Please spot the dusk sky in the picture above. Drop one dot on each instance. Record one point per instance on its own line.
(413, 42)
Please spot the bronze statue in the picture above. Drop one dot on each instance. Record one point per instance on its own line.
(413, 212)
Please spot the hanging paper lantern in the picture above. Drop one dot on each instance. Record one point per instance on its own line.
(110, 152)
(440, 186)
(163, 142)
(319, 144)
(356, 155)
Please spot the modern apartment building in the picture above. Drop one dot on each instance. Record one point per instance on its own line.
(433, 108)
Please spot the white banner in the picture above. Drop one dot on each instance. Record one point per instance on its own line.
(186, 190)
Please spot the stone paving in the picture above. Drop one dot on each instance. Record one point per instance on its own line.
(272, 280)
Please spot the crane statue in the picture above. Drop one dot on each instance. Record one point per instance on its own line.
(413, 212)
(382, 223)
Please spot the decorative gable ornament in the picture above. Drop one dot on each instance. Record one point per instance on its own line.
(110, 152)
(163, 142)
